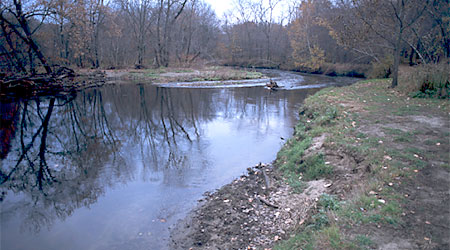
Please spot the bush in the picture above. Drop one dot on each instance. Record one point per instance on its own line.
(345, 69)
(382, 68)
(430, 80)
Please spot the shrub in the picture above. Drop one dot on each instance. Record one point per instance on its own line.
(345, 69)
(430, 80)
(382, 68)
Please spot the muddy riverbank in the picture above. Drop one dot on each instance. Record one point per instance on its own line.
(254, 211)
(388, 188)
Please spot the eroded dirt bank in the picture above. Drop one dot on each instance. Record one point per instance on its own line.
(253, 211)
(383, 181)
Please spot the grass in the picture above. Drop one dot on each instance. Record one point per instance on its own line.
(338, 114)
(426, 81)
(292, 160)
(215, 73)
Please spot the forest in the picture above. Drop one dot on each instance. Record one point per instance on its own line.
(360, 38)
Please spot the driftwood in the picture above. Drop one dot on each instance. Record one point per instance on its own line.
(62, 81)
(268, 203)
(272, 85)
(266, 179)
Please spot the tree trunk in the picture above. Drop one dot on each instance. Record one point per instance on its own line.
(28, 39)
(397, 51)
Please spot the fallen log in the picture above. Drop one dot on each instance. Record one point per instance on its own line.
(268, 203)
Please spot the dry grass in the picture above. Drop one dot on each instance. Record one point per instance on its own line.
(212, 73)
(430, 80)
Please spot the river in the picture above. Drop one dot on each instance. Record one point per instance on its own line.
(115, 167)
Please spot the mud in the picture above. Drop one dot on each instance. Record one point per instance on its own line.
(252, 212)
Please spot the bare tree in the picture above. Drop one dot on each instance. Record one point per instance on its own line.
(13, 16)
(167, 13)
(390, 20)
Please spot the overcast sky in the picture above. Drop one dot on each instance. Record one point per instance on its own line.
(220, 6)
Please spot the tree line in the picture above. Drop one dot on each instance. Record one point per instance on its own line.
(323, 36)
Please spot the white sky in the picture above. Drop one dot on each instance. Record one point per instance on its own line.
(220, 6)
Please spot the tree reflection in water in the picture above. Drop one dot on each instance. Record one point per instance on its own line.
(65, 153)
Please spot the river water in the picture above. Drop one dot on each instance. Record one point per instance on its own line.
(115, 167)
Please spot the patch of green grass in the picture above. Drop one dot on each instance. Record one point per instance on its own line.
(329, 202)
(303, 240)
(407, 110)
(408, 157)
(391, 209)
(331, 238)
(326, 204)
(183, 71)
(364, 241)
(291, 155)
(399, 135)
(314, 167)
(433, 142)
(403, 139)
(297, 185)
(361, 135)
(253, 75)
(445, 165)
(152, 75)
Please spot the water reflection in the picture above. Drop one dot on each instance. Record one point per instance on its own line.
(145, 150)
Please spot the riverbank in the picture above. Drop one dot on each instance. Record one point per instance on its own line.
(63, 82)
(367, 167)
